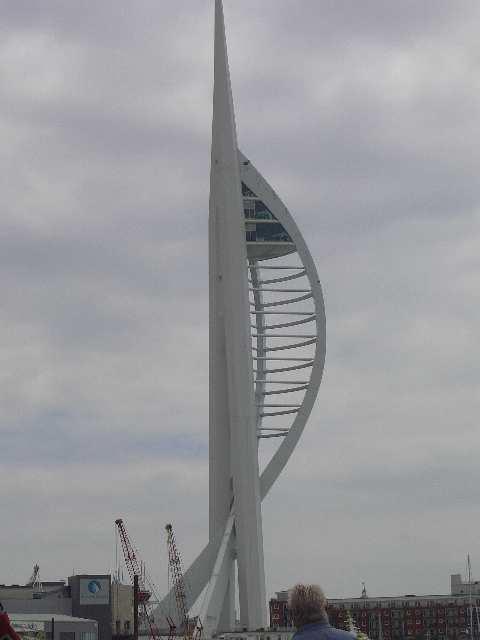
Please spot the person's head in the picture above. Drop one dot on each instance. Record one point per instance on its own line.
(307, 604)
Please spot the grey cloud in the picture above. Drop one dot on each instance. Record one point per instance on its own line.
(326, 23)
(365, 119)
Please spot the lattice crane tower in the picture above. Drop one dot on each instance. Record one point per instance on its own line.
(267, 353)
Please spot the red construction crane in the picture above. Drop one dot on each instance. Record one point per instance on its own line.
(132, 561)
(175, 575)
(191, 628)
(136, 567)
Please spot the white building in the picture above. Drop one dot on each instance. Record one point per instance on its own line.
(40, 626)
(460, 587)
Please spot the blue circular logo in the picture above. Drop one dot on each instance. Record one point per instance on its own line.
(94, 586)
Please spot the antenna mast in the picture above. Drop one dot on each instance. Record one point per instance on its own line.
(470, 607)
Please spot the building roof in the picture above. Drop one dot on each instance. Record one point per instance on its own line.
(22, 592)
(406, 597)
(45, 617)
(373, 602)
(45, 583)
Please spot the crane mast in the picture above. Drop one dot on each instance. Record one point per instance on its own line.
(133, 563)
(176, 578)
(192, 629)
(136, 567)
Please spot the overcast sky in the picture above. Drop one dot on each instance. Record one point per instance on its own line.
(365, 117)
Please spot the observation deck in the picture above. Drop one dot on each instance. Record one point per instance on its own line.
(266, 237)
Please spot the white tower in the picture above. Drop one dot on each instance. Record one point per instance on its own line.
(259, 304)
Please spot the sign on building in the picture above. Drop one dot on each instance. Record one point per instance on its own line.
(94, 591)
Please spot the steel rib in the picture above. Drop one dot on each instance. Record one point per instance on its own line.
(294, 368)
(278, 413)
(289, 390)
(291, 346)
(280, 290)
(284, 381)
(290, 324)
(272, 435)
(284, 335)
(282, 358)
(279, 267)
(287, 406)
(279, 303)
(294, 276)
(281, 313)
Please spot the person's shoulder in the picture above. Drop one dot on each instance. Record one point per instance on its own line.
(323, 631)
(339, 634)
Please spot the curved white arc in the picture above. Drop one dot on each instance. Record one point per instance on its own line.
(255, 181)
(261, 341)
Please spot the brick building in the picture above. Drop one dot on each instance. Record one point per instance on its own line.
(432, 617)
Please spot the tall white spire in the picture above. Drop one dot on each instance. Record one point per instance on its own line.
(233, 434)
(251, 323)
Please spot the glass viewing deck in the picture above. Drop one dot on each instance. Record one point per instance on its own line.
(266, 237)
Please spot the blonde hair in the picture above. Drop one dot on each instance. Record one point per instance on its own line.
(307, 604)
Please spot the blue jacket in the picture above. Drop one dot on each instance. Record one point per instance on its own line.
(321, 631)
